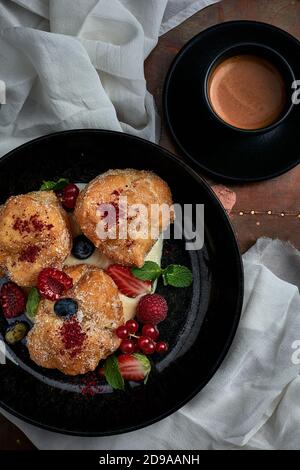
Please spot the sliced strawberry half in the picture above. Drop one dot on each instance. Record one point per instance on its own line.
(52, 283)
(134, 367)
(12, 300)
(126, 282)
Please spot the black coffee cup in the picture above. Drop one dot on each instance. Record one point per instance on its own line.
(270, 55)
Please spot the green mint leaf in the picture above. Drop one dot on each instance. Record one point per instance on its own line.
(32, 303)
(177, 276)
(145, 364)
(54, 185)
(112, 373)
(149, 272)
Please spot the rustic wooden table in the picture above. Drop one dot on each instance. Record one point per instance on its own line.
(280, 195)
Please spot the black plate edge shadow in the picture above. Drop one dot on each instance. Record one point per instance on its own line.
(239, 303)
(198, 165)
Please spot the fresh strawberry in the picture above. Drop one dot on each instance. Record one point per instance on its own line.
(134, 367)
(126, 282)
(12, 300)
(52, 283)
(68, 196)
(152, 308)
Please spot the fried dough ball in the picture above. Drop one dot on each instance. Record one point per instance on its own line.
(34, 234)
(75, 345)
(135, 187)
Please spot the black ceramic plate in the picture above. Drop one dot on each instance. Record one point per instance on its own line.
(222, 152)
(202, 319)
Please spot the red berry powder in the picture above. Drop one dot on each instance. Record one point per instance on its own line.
(30, 253)
(33, 224)
(72, 336)
(90, 385)
(21, 226)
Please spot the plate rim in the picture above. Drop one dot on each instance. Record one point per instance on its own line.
(239, 299)
(166, 113)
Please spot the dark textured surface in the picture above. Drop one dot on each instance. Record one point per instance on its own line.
(198, 331)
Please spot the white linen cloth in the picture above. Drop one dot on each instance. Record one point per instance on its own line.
(73, 64)
(252, 401)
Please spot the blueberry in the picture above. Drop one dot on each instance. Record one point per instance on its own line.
(65, 307)
(83, 248)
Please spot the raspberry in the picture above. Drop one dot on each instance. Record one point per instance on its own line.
(52, 283)
(152, 308)
(12, 300)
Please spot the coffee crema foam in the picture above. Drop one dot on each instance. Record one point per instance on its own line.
(247, 92)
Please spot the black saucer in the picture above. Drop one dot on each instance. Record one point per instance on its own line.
(220, 151)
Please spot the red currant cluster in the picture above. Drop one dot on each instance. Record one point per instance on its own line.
(131, 342)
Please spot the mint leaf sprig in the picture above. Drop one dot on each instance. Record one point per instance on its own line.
(54, 185)
(112, 373)
(174, 275)
(32, 303)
